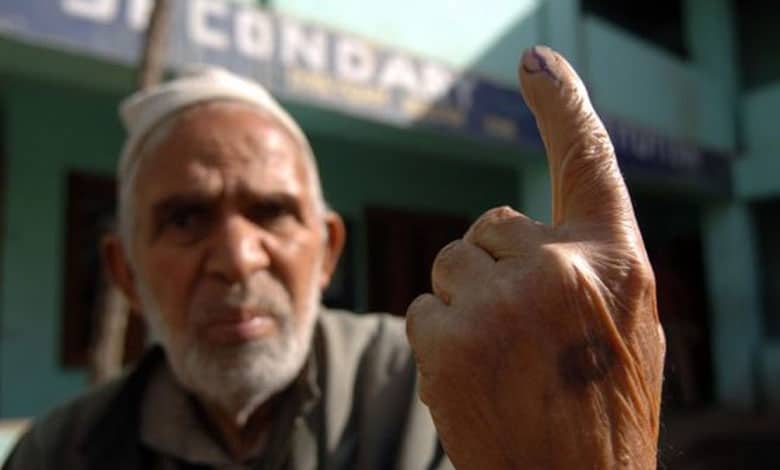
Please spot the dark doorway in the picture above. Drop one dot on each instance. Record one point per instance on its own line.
(671, 230)
(90, 212)
(682, 306)
(767, 217)
(401, 248)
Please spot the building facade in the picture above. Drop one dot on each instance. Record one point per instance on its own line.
(414, 113)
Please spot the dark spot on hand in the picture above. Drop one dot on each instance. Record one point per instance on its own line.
(586, 363)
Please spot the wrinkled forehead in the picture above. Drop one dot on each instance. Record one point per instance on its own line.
(232, 138)
(213, 119)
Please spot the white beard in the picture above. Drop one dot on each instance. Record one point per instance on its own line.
(240, 378)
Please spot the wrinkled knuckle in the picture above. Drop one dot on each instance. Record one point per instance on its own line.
(501, 213)
(632, 282)
(640, 275)
(447, 258)
(491, 222)
(645, 272)
(661, 340)
(495, 216)
(419, 305)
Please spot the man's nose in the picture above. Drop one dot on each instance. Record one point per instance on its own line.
(238, 250)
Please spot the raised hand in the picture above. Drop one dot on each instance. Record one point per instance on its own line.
(540, 347)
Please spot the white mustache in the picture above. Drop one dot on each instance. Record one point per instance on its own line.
(266, 297)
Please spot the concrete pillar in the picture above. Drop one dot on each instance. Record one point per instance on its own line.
(731, 256)
(711, 37)
(730, 246)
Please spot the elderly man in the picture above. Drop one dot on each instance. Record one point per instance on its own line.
(539, 348)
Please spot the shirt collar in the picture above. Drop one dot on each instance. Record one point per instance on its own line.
(172, 423)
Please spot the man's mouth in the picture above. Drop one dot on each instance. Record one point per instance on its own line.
(239, 329)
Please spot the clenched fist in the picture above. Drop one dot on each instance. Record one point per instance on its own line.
(540, 347)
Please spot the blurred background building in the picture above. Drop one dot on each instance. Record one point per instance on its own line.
(413, 110)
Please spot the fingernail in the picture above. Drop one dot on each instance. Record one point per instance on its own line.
(537, 59)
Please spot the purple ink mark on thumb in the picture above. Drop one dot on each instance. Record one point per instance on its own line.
(536, 59)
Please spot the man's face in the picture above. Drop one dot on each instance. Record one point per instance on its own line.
(229, 253)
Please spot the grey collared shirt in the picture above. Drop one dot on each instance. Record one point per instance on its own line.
(174, 427)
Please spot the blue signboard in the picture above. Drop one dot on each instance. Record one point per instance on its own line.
(301, 61)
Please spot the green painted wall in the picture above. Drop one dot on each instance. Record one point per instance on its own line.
(356, 175)
(49, 131)
(635, 80)
(65, 68)
(711, 30)
(757, 173)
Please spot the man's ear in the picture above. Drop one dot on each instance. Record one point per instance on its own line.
(118, 267)
(336, 235)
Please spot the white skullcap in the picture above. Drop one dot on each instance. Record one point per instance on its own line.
(144, 110)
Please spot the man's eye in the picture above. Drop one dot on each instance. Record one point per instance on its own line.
(190, 218)
(263, 213)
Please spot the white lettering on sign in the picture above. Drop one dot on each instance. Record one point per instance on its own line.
(202, 32)
(138, 14)
(311, 48)
(254, 34)
(436, 81)
(399, 72)
(642, 145)
(653, 148)
(257, 35)
(100, 11)
(355, 60)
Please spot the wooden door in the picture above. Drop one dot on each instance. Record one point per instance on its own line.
(401, 248)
